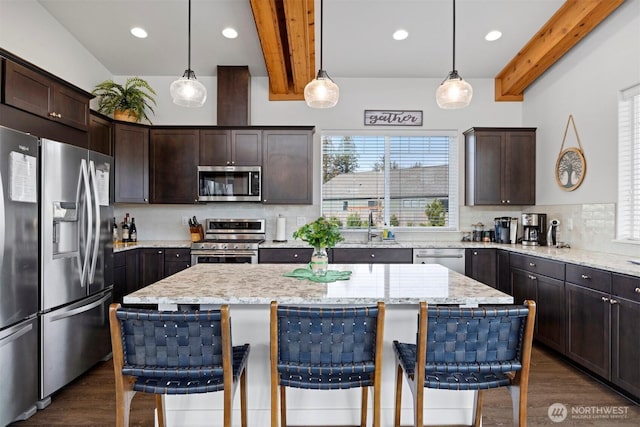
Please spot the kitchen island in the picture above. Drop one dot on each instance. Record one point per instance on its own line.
(250, 288)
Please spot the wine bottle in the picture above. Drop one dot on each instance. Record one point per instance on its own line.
(133, 232)
(115, 230)
(125, 230)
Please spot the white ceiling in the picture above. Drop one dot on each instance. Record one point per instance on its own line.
(357, 35)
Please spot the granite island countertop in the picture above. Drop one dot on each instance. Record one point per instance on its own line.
(369, 283)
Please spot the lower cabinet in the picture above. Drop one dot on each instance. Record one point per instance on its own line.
(588, 304)
(503, 279)
(372, 256)
(139, 267)
(285, 255)
(547, 290)
(481, 265)
(625, 333)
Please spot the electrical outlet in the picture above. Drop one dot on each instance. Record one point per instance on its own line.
(301, 220)
(185, 220)
(570, 224)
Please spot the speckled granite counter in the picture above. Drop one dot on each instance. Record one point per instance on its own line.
(119, 247)
(369, 283)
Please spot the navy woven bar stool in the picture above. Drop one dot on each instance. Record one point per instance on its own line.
(468, 349)
(326, 349)
(175, 352)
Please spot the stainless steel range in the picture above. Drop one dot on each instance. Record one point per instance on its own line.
(229, 241)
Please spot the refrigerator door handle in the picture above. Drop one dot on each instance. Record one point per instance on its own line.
(71, 311)
(2, 223)
(13, 333)
(96, 221)
(89, 224)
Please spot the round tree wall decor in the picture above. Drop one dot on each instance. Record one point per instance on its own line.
(571, 165)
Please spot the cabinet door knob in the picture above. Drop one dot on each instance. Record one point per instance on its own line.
(475, 253)
(373, 255)
(532, 277)
(605, 299)
(637, 290)
(159, 252)
(585, 276)
(177, 255)
(508, 201)
(295, 255)
(613, 301)
(532, 264)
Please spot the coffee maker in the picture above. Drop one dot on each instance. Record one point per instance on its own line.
(534, 227)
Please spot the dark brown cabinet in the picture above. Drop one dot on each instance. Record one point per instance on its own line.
(151, 266)
(542, 280)
(504, 278)
(44, 96)
(285, 255)
(230, 147)
(125, 274)
(173, 165)
(176, 260)
(287, 166)
(372, 255)
(131, 158)
(100, 134)
(481, 265)
(625, 333)
(500, 166)
(588, 305)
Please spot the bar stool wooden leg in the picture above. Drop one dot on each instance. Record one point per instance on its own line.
(160, 410)
(283, 406)
(363, 406)
(243, 398)
(478, 400)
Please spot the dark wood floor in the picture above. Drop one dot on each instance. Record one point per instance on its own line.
(89, 401)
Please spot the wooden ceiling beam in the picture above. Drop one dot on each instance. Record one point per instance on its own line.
(287, 37)
(570, 24)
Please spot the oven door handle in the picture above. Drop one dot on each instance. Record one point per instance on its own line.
(224, 254)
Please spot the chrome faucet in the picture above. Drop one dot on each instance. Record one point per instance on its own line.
(370, 234)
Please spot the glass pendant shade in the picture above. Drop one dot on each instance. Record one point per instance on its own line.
(454, 92)
(321, 92)
(187, 91)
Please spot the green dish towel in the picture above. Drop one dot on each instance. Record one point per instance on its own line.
(331, 276)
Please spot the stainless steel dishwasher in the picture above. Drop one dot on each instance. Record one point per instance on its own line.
(452, 258)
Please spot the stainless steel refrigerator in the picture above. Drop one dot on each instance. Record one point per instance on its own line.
(76, 263)
(18, 275)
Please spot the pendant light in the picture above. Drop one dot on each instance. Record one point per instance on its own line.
(187, 91)
(454, 92)
(321, 92)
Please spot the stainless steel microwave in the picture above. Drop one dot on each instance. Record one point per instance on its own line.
(229, 183)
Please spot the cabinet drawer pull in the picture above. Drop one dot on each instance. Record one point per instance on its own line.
(373, 255)
(532, 277)
(613, 301)
(475, 252)
(295, 255)
(177, 255)
(159, 252)
(585, 276)
(605, 299)
(637, 290)
(532, 264)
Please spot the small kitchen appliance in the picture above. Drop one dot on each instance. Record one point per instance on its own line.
(229, 241)
(534, 229)
(502, 229)
(552, 234)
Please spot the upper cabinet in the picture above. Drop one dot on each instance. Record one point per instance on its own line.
(287, 166)
(100, 134)
(44, 96)
(500, 166)
(173, 165)
(230, 147)
(131, 157)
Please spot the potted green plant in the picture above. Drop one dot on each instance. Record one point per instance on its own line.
(322, 235)
(128, 102)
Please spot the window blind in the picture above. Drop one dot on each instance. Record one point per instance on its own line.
(628, 223)
(394, 179)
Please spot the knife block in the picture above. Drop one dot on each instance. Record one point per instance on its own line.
(197, 233)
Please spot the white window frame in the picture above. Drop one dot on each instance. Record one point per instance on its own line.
(628, 210)
(454, 190)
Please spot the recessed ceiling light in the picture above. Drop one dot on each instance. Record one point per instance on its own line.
(400, 34)
(139, 32)
(230, 33)
(493, 35)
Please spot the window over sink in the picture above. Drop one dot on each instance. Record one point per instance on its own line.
(628, 223)
(405, 179)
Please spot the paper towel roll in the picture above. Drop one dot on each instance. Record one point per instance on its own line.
(281, 229)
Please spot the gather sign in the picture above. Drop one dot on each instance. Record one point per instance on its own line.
(392, 117)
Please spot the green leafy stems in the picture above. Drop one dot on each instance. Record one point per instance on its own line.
(136, 95)
(320, 233)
